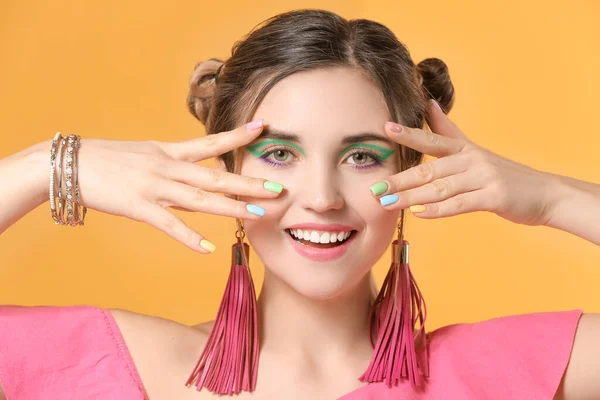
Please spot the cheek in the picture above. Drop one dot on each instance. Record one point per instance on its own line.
(376, 218)
(356, 185)
(255, 168)
(263, 229)
(379, 222)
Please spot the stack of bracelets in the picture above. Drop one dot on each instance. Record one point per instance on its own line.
(67, 149)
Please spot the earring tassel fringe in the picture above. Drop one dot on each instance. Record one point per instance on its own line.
(229, 361)
(395, 354)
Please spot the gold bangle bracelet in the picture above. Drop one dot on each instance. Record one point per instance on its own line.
(52, 190)
(64, 163)
(69, 195)
(73, 206)
(61, 203)
(81, 210)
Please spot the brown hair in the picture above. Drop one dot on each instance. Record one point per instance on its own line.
(308, 39)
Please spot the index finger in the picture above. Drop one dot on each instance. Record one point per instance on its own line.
(441, 124)
(215, 180)
(423, 141)
(198, 149)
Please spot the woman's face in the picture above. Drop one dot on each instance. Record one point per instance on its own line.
(324, 141)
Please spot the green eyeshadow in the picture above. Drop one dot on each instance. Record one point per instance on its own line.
(385, 153)
(254, 149)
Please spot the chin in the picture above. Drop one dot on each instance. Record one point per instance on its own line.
(314, 280)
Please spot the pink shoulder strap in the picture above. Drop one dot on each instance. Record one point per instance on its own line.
(73, 352)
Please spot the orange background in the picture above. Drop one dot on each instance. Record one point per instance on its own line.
(526, 80)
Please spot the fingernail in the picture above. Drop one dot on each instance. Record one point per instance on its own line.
(254, 125)
(256, 210)
(207, 245)
(394, 127)
(418, 208)
(435, 103)
(379, 188)
(273, 186)
(388, 199)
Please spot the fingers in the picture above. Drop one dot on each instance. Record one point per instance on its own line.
(174, 226)
(422, 174)
(198, 149)
(441, 124)
(215, 180)
(423, 141)
(460, 204)
(436, 191)
(196, 199)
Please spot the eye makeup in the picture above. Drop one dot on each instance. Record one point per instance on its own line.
(384, 152)
(254, 149)
(268, 151)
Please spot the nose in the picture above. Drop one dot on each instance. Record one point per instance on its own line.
(320, 191)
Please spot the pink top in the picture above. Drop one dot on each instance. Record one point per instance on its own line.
(78, 352)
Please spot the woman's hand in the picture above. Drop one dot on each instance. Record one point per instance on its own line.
(464, 178)
(140, 179)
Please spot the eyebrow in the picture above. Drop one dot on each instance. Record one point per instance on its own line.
(274, 133)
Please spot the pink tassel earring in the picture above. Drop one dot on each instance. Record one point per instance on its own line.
(395, 312)
(229, 361)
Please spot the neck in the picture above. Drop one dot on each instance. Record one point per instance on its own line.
(292, 324)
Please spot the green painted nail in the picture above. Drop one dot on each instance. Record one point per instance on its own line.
(273, 186)
(379, 188)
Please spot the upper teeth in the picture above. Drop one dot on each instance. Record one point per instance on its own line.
(320, 236)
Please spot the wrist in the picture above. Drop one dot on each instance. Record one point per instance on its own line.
(566, 197)
(36, 167)
(557, 191)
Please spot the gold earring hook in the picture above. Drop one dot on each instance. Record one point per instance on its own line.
(402, 246)
(401, 227)
(240, 233)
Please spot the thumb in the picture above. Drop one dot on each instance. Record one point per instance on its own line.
(441, 124)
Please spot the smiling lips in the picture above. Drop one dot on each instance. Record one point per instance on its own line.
(319, 236)
(321, 242)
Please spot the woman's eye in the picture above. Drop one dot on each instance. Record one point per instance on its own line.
(360, 158)
(278, 156)
(281, 155)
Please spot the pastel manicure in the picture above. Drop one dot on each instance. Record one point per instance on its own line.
(273, 186)
(389, 199)
(207, 245)
(394, 127)
(379, 188)
(251, 126)
(417, 208)
(256, 210)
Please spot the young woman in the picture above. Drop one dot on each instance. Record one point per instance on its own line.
(337, 134)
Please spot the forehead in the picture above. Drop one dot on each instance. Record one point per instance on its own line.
(325, 103)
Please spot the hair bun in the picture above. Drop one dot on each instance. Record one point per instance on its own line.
(437, 83)
(202, 88)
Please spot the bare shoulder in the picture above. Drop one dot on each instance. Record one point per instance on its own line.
(133, 318)
(161, 348)
(582, 376)
(144, 332)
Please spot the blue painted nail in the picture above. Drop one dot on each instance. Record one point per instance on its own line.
(255, 209)
(388, 199)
